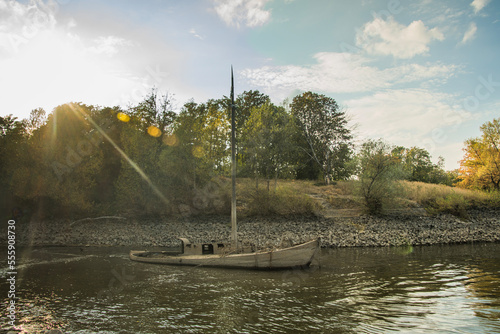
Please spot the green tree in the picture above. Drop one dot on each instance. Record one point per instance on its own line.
(204, 130)
(12, 142)
(245, 103)
(156, 110)
(188, 140)
(105, 137)
(36, 120)
(27, 178)
(378, 169)
(67, 162)
(266, 141)
(326, 137)
(142, 181)
(216, 136)
(417, 165)
(148, 179)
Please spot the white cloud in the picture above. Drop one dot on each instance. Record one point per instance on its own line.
(108, 45)
(333, 72)
(56, 68)
(388, 37)
(479, 4)
(412, 117)
(53, 60)
(250, 13)
(52, 64)
(418, 116)
(20, 23)
(341, 73)
(400, 114)
(193, 32)
(470, 34)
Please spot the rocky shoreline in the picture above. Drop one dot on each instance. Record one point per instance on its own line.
(392, 230)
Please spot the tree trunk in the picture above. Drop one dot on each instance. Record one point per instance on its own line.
(275, 181)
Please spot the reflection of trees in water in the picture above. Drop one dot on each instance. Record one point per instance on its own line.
(414, 287)
(356, 290)
(484, 283)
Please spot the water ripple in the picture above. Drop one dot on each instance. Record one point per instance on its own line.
(432, 290)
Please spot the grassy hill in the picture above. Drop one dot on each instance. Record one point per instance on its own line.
(292, 197)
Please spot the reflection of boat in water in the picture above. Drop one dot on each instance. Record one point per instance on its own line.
(232, 255)
(222, 255)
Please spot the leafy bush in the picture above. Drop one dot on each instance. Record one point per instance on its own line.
(494, 199)
(377, 172)
(453, 203)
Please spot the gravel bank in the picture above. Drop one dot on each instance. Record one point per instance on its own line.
(394, 230)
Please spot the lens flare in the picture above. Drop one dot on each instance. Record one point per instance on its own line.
(127, 158)
(123, 117)
(153, 131)
(171, 140)
(198, 152)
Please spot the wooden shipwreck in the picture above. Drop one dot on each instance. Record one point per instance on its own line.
(223, 255)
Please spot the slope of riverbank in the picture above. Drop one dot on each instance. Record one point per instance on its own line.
(391, 230)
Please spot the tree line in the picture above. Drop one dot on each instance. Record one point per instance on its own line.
(81, 160)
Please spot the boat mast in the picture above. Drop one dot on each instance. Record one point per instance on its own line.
(234, 229)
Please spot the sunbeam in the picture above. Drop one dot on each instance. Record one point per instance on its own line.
(122, 153)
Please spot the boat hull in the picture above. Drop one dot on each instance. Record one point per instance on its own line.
(296, 256)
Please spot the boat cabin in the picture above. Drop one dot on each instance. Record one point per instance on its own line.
(189, 248)
(208, 248)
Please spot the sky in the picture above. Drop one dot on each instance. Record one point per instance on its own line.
(422, 73)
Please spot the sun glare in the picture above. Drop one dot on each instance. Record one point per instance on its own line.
(198, 151)
(124, 155)
(171, 140)
(123, 117)
(153, 131)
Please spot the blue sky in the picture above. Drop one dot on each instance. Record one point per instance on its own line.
(415, 73)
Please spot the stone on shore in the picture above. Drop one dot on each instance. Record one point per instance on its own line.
(393, 230)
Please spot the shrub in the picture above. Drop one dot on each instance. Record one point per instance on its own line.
(494, 199)
(378, 171)
(454, 204)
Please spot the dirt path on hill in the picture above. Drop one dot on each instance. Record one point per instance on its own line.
(330, 211)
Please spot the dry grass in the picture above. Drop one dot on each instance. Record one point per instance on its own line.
(299, 197)
(339, 188)
(424, 193)
(444, 199)
(288, 198)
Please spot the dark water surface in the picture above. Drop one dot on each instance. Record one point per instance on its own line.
(435, 289)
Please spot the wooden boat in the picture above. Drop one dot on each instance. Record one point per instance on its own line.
(220, 255)
(232, 255)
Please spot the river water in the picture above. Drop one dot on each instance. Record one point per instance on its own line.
(434, 289)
